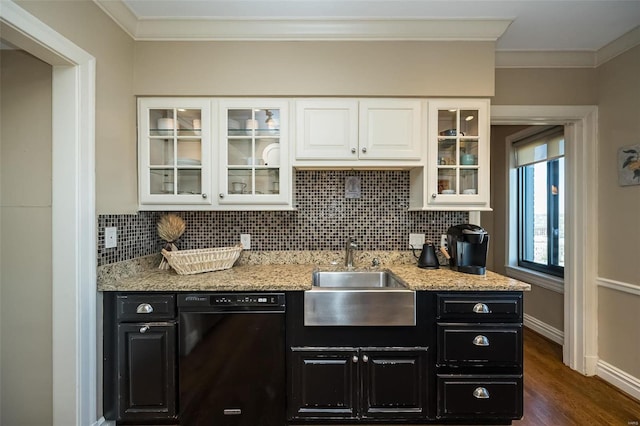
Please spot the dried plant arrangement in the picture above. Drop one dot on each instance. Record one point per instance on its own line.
(170, 229)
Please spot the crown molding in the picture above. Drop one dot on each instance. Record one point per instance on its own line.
(320, 30)
(300, 29)
(120, 13)
(618, 46)
(568, 59)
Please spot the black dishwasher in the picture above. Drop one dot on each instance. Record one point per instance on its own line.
(232, 359)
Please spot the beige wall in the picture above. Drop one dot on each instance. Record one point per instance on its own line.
(403, 68)
(619, 206)
(25, 241)
(545, 86)
(618, 336)
(82, 22)
(546, 306)
(494, 221)
(618, 212)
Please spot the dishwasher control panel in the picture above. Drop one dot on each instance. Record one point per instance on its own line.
(245, 300)
(233, 301)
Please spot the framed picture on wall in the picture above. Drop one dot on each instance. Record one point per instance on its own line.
(629, 165)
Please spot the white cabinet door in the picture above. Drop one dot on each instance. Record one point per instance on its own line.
(350, 130)
(174, 152)
(457, 171)
(390, 129)
(327, 129)
(254, 166)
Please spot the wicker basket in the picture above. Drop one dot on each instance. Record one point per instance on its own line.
(187, 262)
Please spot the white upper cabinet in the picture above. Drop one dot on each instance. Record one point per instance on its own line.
(327, 129)
(456, 172)
(254, 168)
(390, 129)
(235, 153)
(174, 152)
(343, 132)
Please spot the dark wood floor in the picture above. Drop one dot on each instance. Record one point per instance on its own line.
(555, 395)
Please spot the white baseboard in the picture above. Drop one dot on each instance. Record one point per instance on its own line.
(618, 378)
(103, 422)
(544, 329)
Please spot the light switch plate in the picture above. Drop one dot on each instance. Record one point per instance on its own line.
(110, 237)
(245, 240)
(416, 240)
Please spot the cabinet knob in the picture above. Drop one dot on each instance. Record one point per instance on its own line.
(481, 393)
(353, 150)
(434, 195)
(481, 340)
(204, 196)
(364, 149)
(355, 358)
(144, 329)
(144, 308)
(221, 195)
(365, 358)
(481, 308)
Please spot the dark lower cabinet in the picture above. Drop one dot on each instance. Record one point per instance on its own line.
(140, 366)
(480, 344)
(394, 383)
(358, 383)
(146, 371)
(323, 383)
(474, 396)
(479, 363)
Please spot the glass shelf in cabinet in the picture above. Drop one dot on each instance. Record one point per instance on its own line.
(161, 133)
(233, 133)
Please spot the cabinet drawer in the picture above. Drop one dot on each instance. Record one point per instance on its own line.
(145, 307)
(496, 345)
(477, 396)
(478, 308)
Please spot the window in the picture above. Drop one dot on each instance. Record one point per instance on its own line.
(541, 186)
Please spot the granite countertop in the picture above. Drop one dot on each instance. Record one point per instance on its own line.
(255, 273)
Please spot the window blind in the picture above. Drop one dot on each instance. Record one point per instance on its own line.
(543, 146)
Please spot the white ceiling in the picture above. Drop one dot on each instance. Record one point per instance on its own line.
(578, 26)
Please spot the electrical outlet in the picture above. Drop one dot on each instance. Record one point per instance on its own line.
(443, 241)
(110, 237)
(416, 240)
(245, 240)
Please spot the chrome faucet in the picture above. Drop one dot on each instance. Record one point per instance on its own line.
(348, 255)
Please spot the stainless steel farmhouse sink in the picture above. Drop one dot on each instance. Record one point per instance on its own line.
(359, 298)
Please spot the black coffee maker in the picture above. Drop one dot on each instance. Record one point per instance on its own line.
(468, 245)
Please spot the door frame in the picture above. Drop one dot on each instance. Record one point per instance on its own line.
(580, 349)
(74, 317)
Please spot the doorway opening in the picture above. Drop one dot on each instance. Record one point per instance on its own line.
(580, 295)
(73, 260)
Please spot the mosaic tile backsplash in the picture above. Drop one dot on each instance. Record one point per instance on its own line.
(378, 220)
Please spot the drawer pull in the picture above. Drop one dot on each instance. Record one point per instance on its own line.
(480, 308)
(144, 329)
(144, 308)
(481, 393)
(481, 340)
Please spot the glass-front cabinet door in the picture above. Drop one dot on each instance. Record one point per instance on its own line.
(174, 144)
(458, 160)
(254, 154)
